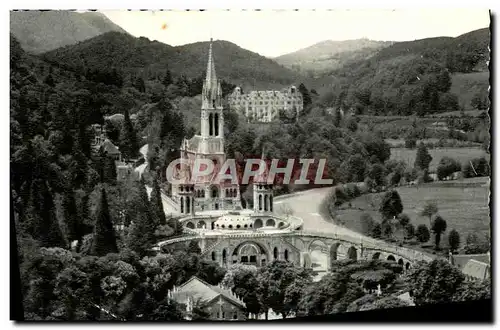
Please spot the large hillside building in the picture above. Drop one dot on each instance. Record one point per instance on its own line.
(265, 106)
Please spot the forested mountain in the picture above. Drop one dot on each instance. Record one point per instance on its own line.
(150, 58)
(40, 31)
(412, 77)
(330, 55)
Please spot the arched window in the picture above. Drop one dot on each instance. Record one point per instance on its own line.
(210, 124)
(271, 203)
(245, 226)
(266, 201)
(235, 193)
(260, 202)
(275, 253)
(188, 205)
(182, 204)
(270, 223)
(258, 223)
(213, 255)
(216, 124)
(224, 256)
(286, 254)
(230, 226)
(215, 192)
(238, 226)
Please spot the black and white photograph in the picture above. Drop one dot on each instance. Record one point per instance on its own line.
(251, 166)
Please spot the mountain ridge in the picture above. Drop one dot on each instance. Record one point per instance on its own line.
(39, 31)
(233, 63)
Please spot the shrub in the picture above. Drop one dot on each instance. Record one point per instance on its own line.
(423, 234)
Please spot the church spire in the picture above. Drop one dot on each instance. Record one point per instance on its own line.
(211, 78)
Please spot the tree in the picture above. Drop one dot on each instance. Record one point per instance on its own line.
(242, 279)
(423, 235)
(71, 218)
(157, 205)
(473, 290)
(104, 240)
(474, 245)
(454, 240)
(367, 224)
(434, 282)
(447, 166)
(438, 227)
(39, 218)
(376, 176)
(274, 279)
(167, 80)
(410, 142)
(391, 205)
(376, 231)
(355, 168)
(383, 303)
(128, 138)
(141, 236)
(108, 169)
(423, 158)
(409, 231)
(305, 95)
(193, 247)
(429, 210)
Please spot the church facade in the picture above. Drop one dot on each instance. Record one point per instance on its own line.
(207, 192)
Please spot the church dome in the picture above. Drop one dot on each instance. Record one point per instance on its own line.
(234, 222)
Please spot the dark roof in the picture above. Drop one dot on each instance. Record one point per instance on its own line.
(109, 148)
(460, 260)
(199, 289)
(476, 269)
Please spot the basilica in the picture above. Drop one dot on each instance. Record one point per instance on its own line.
(211, 208)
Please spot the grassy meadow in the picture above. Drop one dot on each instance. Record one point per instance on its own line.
(460, 154)
(464, 204)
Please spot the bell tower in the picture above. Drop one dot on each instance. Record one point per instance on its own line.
(212, 117)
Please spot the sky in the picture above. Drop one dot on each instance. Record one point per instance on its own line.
(272, 32)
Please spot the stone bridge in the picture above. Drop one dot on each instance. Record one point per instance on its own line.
(259, 248)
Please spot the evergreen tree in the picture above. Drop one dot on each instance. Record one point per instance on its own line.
(167, 80)
(454, 240)
(157, 205)
(306, 97)
(438, 227)
(141, 237)
(391, 205)
(40, 219)
(104, 240)
(107, 169)
(423, 158)
(70, 215)
(139, 84)
(128, 138)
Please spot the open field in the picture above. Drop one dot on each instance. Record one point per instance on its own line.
(460, 154)
(462, 203)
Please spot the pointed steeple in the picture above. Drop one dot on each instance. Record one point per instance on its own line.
(211, 78)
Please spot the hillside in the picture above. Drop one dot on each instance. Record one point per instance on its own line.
(41, 31)
(129, 54)
(330, 55)
(415, 77)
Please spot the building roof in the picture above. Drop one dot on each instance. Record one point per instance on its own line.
(196, 288)
(477, 269)
(109, 148)
(460, 260)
